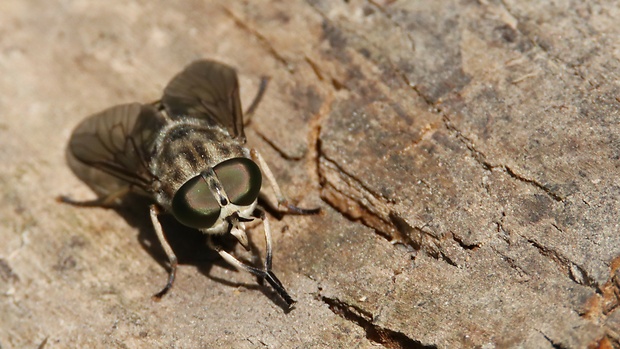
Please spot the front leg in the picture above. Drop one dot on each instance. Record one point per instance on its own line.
(266, 273)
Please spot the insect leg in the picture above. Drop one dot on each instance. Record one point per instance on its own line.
(265, 274)
(105, 201)
(154, 211)
(282, 200)
(259, 95)
(268, 248)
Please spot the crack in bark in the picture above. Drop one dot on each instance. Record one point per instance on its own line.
(557, 228)
(386, 337)
(512, 263)
(533, 182)
(315, 68)
(469, 144)
(375, 210)
(503, 234)
(386, 222)
(357, 203)
(576, 273)
(462, 243)
(367, 194)
(441, 256)
(6, 272)
(275, 147)
(477, 155)
(261, 39)
(372, 209)
(480, 158)
(552, 342)
(321, 76)
(338, 85)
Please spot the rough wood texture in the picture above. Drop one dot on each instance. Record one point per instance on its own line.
(466, 155)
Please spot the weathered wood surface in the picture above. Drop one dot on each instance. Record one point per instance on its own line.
(466, 155)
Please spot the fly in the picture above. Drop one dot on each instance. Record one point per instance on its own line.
(186, 152)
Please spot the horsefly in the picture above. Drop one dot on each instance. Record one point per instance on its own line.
(186, 153)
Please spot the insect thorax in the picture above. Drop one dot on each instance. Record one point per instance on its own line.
(183, 150)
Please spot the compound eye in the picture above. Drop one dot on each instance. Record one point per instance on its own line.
(194, 205)
(241, 180)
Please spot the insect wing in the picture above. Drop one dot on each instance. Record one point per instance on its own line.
(111, 149)
(209, 91)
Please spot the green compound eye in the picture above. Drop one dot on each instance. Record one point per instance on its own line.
(241, 179)
(194, 205)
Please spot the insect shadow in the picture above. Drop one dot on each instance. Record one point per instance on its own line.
(190, 245)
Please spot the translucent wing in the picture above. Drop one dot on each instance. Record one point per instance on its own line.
(206, 90)
(110, 150)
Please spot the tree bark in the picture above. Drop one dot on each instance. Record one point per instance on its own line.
(465, 155)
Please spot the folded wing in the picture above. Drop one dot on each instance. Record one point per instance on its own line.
(208, 91)
(111, 150)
